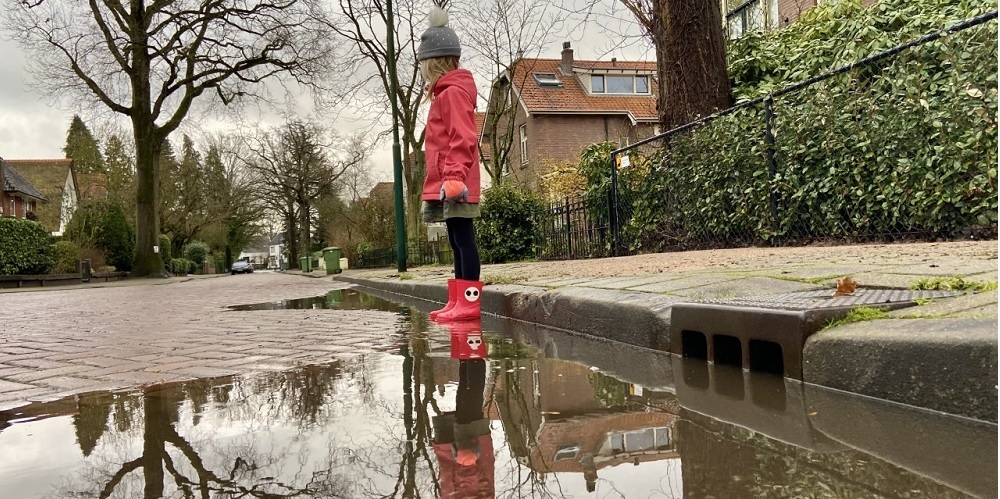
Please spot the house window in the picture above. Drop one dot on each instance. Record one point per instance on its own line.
(13, 209)
(547, 80)
(597, 84)
(753, 16)
(524, 144)
(642, 84)
(619, 84)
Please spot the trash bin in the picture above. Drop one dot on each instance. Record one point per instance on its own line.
(331, 256)
(304, 262)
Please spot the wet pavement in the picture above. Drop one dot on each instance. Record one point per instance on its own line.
(497, 409)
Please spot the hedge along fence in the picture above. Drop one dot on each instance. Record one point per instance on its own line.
(901, 145)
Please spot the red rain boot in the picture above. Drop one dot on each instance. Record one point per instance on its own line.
(452, 299)
(467, 306)
(467, 340)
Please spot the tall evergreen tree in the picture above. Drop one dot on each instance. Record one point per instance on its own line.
(119, 166)
(83, 148)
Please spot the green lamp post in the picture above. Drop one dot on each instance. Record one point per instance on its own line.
(397, 164)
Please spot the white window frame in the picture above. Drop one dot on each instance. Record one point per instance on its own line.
(633, 77)
(523, 132)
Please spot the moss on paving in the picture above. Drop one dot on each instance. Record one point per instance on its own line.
(860, 314)
(954, 283)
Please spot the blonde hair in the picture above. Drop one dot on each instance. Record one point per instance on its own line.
(433, 69)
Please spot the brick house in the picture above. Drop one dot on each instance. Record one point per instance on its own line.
(18, 198)
(56, 180)
(562, 105)
(745, 16)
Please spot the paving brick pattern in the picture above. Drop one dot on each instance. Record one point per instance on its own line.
(63, 342)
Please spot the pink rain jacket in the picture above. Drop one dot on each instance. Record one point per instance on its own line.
(451, 142)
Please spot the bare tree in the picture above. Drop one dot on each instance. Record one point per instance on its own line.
(298, 164)
(239, 211)
(365, 82)
(499, 33)
(150, 60)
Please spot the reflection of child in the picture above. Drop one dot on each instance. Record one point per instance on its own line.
(462, 439)
(451, 187)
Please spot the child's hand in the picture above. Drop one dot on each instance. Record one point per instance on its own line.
(454, 191)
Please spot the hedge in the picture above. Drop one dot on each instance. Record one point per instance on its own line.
(903, 148)
(67, 253)
(25, 247)
(506, 229)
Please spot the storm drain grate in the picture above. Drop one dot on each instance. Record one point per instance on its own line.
(810, 300)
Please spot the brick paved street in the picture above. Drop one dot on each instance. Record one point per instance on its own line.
(62, 342)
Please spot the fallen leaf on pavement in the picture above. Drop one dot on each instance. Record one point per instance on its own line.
(846, 287)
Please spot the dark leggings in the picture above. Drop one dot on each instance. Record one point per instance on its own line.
(462, 237)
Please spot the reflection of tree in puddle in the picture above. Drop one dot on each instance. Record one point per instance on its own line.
(171, 464)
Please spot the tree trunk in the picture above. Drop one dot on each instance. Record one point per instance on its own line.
(304, 230)
(291, 238)
(691, 58)
(147, 200)
(415, 171)
(229, 259)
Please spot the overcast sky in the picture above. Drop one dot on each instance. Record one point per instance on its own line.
(33, 127)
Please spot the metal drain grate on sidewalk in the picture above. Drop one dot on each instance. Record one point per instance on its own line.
(808, 300)
(767, 333)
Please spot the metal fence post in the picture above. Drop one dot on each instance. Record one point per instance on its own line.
(772, 161)
(569, 232)
(613, 206)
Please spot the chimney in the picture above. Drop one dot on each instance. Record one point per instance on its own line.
(614, 62)
(567, 59)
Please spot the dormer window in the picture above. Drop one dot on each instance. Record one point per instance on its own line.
(547, 80)
(619, 84)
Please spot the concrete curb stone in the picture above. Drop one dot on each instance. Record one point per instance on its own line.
(949, 365)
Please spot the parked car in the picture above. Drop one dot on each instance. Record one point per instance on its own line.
(241, 267)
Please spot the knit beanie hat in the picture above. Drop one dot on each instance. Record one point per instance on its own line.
(439, 40)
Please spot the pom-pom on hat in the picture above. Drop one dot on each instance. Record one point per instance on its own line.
(439, 40)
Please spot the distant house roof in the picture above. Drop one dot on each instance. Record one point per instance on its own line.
(278, 239)
(92, 185)
(382, 189)
(571, 96)
(13, 181)
(49, 177)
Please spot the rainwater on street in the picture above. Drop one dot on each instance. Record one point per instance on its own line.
(498, 409)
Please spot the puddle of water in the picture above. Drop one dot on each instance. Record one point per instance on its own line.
(544, 414)
(343, 299)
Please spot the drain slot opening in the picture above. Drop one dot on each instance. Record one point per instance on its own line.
(727, 350)
(694, 345)
(765, 357)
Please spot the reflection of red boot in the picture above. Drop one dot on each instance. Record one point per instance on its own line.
(452, 297)
(467, 302)
(467, 340)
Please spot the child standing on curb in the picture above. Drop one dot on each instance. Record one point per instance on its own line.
(451, 187)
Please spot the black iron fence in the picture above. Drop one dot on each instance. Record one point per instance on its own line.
(573, 229)
(418, 252)
(900, 145)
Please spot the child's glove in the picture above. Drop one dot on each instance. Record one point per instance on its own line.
(454, 191)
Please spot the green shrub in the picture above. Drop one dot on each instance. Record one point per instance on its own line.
(182, 266)
(193, 267)
(507, 229)
(25, 247)
(165, 248)
(67, 253)
(197, 252)
(102, 225)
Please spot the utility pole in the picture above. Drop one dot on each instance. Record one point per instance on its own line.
(397, 164)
